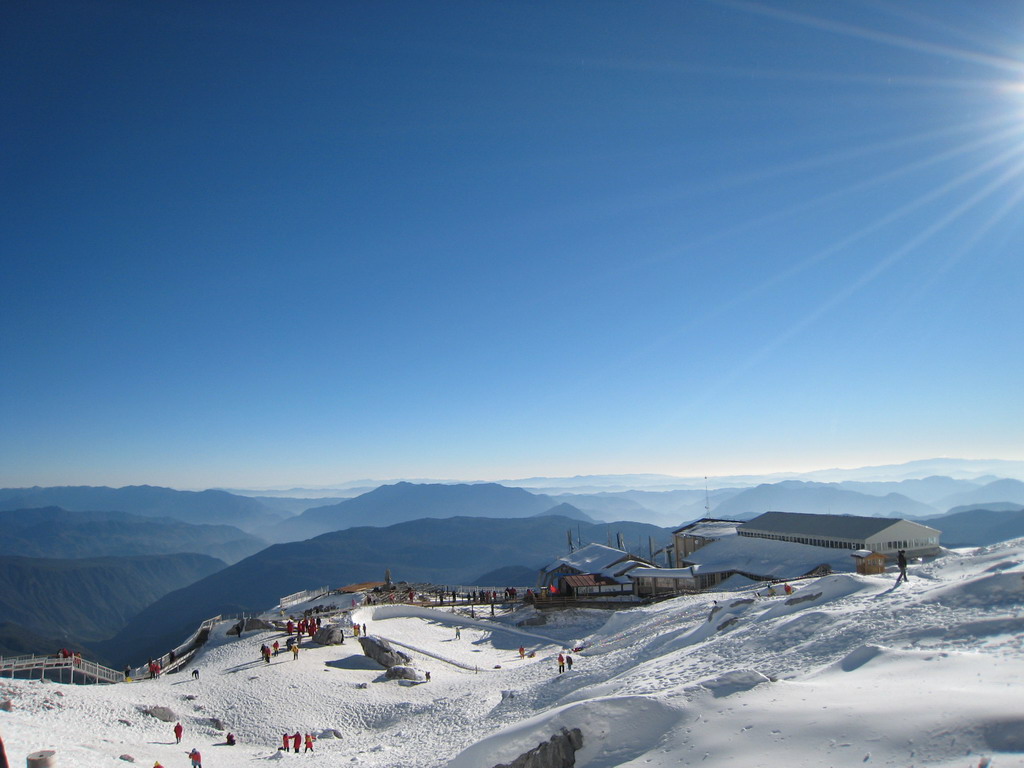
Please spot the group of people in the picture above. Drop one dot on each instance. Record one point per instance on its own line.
(356, 630)
(295, 740)
(564, 662)
(303, 626)
(267, 651)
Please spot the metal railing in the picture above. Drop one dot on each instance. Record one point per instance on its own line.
(299, 597)
(59, 668)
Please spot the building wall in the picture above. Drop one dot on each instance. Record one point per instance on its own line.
(918, 540)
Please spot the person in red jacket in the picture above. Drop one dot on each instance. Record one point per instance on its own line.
(286, 738)
(197, 759)
(178, 730)
(296, 740)
(309, 742)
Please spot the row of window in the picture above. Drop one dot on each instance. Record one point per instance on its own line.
(827, 543)
(931, 541)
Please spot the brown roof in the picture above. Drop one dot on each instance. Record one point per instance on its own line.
(587, 580)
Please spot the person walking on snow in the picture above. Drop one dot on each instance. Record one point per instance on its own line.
(178, 730)
(522, 652)
(310, 738)
(295, 652)
(458, 633)
(296, 740)
(568, 662)
(197, 759)
(901, 561)
(561, 663)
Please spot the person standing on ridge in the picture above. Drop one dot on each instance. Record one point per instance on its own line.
(178, 730)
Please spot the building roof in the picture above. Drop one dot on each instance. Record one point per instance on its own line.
(597, 558)
(577, 580)
(834, 526)
(709, 528)
(663, 573)
(767, 558)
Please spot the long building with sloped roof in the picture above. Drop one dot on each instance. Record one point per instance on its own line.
(884, 535)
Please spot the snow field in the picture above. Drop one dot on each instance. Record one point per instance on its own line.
(848, 671)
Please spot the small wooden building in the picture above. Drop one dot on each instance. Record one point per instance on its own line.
(869, 562)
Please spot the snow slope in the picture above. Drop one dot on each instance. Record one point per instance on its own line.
(848, 671)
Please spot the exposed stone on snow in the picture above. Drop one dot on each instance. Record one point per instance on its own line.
(557, 752)
(329, 634)
(400, 672)
(381, 651)
(160, 713)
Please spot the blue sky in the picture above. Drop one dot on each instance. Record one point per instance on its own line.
(259, 245)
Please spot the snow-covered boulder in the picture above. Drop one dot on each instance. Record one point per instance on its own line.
(329, 634)
(381, 651)
(401, 672)
(160, 713)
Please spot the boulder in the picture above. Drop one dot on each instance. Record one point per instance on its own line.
(160, 713)
(216, 723)
(401, 672)
(329, 634)
(127, 758)
(557, 752)
(381, 651)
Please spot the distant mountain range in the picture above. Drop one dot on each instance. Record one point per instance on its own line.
(455, 550)
(57, 533)
(198, 507)
(398, 503)
(980, 527)
(819, 498)
(87, 599)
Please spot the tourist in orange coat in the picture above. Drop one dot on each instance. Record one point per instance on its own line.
(310, 738)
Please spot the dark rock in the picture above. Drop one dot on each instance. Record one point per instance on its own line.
(127, 758)
(160, 713)
(381, 651)
(400, 672)
(329, 634)
(557, 752)
(217, 724)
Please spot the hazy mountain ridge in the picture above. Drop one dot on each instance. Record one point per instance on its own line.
(197, 507)
(52, 532)
(391, 504)
(979, 527)
(91, 598)
(819, 498)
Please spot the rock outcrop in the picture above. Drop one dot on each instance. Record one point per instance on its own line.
(381, 651)
(329, 634)
(400, 672)
(557, 752)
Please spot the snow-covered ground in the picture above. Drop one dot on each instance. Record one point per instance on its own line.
(848, 671)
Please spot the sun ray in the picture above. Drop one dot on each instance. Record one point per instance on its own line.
(874, 35)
